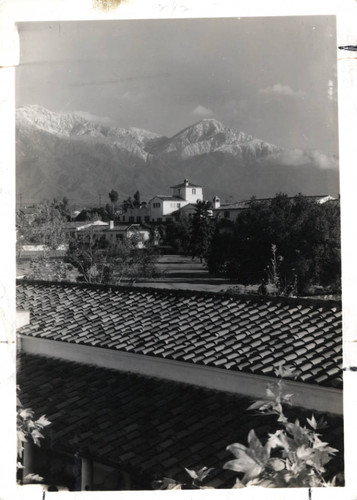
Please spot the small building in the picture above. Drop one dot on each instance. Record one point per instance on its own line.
(230, 211)
(138, 215)
(114, 234)
(108, 232)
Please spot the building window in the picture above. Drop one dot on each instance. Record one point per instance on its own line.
(226, 214)
(123, 218)
(147, 218)
(193, 191)
(159, 219)
(138, 218)
(178, 205)
(156, 205)
(131, 218)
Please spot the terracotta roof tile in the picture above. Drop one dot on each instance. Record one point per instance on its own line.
(192, 327)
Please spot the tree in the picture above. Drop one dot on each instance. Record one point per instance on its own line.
(201, 230)
(128, 203)
(137, 202)
(178, 235)
(300, 235)
(113, 196)
(46, 227)
(111, 263)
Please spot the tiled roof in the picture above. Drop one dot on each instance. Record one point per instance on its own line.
(246, 203)
(146, 425)
(185, 184)
(80, 225)
(231, 332)
(168, 198)
(239, 205)
(185, 208)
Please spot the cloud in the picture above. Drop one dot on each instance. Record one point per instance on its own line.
(94, 118)
(280, 89)
(202, 111)
(301, 157)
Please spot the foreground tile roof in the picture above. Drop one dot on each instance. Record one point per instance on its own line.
(244, 333)
(146, 425)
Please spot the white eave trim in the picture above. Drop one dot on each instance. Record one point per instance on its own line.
(305, 395)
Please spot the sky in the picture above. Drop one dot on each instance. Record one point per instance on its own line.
(273, 78)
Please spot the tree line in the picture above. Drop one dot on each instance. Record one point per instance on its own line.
(292, 243)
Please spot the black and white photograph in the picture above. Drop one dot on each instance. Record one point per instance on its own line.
(178, 254)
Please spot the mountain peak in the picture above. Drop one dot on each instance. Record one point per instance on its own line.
(201, 130)
(52, 122)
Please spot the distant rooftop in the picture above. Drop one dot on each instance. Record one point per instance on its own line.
(240, 205)
(168, 198)
(185, 183)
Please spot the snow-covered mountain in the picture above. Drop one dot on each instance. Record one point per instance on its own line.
(62, 154)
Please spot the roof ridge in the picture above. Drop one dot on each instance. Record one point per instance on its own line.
(327, 304)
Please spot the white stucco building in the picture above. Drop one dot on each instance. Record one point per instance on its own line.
(161, 207)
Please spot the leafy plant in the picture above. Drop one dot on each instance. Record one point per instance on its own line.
(293, 456)
(283, 284)
(28, 429)
(197, 478)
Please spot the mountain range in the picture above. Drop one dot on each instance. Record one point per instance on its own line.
(61, 154)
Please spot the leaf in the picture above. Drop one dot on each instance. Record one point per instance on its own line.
(192, 473)
(201, 474)
(21, 437)
(33, 477)
(276, 464)
(332, 482)
(42, 421)
(26, 413)
(284, 371)
(177, 486)
(279, 440)
(250, 460)
(312, 422)
(36, 436)
(238, 484)
(169, 484)
(304, 453)
(262, 406)
(245, 464)
(287, 397)
(270, 393)
(256, 405)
